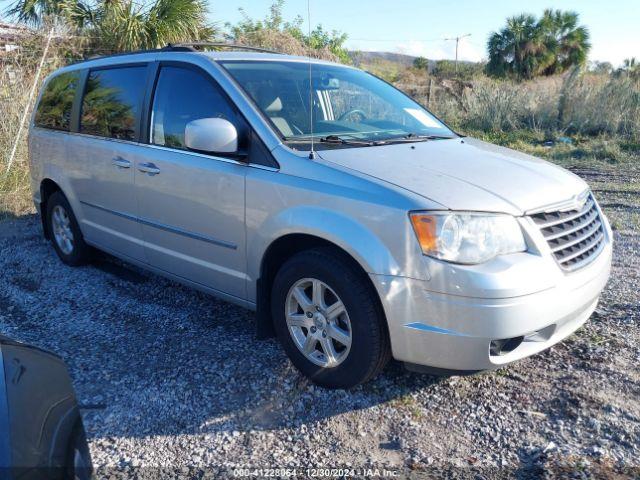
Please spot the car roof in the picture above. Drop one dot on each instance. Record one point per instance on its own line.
(216, 56)
(277, 57)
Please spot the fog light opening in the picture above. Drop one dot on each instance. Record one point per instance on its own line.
(504, 346)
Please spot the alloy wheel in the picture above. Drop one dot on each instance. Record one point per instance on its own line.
(318, 322)
(61, 226)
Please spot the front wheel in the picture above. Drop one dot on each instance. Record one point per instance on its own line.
(328, 320)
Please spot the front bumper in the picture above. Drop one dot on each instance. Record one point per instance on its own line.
(455, 332)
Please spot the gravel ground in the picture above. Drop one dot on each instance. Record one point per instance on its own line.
(173, 379)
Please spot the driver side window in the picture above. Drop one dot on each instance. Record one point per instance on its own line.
(181, 96)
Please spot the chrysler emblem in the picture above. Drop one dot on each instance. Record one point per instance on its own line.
(577, 202)
(580, 200)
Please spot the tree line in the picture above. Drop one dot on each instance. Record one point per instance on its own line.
(124, 25)
(526, 47)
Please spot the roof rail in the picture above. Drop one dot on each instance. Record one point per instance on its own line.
(119, 54)
(181, 47)
(193, 47)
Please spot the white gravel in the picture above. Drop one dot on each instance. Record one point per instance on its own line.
(174, 382)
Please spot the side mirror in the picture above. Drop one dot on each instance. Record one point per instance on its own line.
(211, 135)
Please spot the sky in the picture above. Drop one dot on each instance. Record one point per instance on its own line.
(420, 28)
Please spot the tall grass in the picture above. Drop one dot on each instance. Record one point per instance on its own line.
(573, 104)
(15, 81)
(17, 75)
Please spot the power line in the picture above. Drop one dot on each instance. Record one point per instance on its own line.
(457, 39)
(395, 39)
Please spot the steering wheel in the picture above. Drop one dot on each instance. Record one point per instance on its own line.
(355, 111)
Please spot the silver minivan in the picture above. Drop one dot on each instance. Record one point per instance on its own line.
(356, 224)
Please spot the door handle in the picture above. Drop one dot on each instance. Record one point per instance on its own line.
(149, 168)
(121, 162)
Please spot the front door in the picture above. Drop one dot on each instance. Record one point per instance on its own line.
(191, 205)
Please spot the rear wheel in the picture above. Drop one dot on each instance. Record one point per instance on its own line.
(65, 233)
(328, 319)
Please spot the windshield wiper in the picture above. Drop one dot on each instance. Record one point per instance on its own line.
(340, 140)
(344, 141)
(414, 137)
(334, 139)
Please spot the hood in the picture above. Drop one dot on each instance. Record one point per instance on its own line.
(464, 174)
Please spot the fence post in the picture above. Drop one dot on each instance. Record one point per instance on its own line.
(429, 92)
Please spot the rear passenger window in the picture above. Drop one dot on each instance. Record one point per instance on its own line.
(112, 101)
(183, 95)
(54, 109)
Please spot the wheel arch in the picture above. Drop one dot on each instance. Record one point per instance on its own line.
(282, 249)
(47, 188)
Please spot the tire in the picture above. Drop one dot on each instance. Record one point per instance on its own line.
(368, 351)
(60, 218)
(78, 462)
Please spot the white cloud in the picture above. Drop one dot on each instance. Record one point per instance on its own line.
(468, 50)
(614, 50)
(442, 49)
(421, 49)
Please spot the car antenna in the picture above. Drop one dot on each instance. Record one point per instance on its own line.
(312, 153)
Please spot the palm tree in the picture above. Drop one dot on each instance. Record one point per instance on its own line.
(33, 12)
(420, 63)
(122, 25)
(527, 47)
(630, 64)
(511, 51)
(630, 67)
(571, 41)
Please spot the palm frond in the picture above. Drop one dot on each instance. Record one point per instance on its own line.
(170, 21)
(527, 46)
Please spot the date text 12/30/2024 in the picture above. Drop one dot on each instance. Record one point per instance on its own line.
(315, 472)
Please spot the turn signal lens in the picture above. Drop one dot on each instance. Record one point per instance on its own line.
(425, 228)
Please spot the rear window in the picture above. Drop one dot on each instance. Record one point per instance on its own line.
(112, 101)
(54, 109)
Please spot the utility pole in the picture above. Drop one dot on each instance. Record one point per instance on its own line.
(457, 39)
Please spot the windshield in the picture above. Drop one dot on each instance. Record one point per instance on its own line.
(346, 104)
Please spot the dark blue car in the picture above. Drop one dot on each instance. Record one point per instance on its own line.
(41, 430)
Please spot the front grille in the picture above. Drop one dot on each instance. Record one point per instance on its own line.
(575, 237)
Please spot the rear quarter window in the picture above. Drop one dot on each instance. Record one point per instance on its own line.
(112, 102)
(56, 102)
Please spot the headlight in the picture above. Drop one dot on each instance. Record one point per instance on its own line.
(469, 238)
